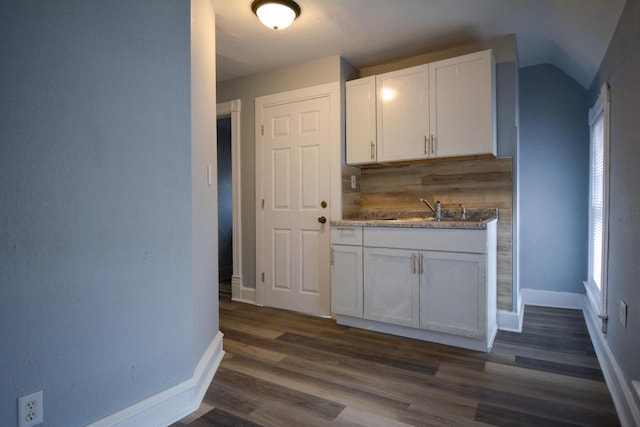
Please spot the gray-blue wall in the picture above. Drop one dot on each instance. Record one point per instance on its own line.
(621, 68)
(553, 179)
(98, 304)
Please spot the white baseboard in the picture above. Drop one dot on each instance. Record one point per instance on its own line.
(175, 403)
(511, 321)
(552, 299)
(241, 293)
(626, 406)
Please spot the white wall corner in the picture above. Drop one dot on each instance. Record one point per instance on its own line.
(621, 393)
(553, 299)
(511, 321)
(233, 109)
(175, 403)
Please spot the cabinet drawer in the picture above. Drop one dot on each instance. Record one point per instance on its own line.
(346, 235)
(447, 240)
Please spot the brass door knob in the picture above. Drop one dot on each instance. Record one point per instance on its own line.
(322, 220)
(323, 204)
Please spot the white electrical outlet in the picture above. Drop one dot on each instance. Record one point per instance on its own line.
(30, 410)
(623, 313)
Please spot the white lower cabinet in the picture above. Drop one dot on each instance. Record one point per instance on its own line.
(346, 280)
(432, 284)
(391, 286)
(452, 293)
(346, 271)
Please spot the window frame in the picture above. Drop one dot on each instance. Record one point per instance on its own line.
(597, 297)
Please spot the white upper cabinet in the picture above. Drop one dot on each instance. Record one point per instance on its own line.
(403, 114)
(462, 105)
(361, 121)
(437, 110)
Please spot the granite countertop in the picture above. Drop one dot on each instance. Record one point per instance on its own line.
(476, 219)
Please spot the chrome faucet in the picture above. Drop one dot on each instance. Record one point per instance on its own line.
(437, 211)
(463, 212)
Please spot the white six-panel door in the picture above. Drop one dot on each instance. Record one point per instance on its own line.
(295, 254)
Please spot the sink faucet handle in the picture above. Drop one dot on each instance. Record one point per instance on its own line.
(436, 210)
(463, 212)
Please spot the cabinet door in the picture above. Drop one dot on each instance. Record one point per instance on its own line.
(346, 280)
(391, 286)
(452, 293)
(361, 121)
(403, 114)
(462, 105)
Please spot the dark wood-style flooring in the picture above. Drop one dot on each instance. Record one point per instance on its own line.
(287, 369)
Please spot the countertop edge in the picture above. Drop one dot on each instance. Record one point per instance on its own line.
(399, 223)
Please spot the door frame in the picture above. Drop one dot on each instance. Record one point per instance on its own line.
(233, 109)
(331, 90)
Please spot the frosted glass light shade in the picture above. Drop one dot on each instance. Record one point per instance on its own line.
(276, 14)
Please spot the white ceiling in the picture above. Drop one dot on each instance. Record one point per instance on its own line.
(571, 34)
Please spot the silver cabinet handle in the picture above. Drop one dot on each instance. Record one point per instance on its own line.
(432, 144)
(421, 264)
(413, 263)
(332, 256)
(426, 145)
(373, 152)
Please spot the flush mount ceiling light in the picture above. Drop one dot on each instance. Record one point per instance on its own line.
(276, 14)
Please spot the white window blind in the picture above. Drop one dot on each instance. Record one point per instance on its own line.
(596, 283)
(597, 199)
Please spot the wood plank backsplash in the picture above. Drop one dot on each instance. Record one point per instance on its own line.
(351, 197)
(479, 184)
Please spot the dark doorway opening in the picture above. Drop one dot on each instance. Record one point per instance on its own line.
(225, 207)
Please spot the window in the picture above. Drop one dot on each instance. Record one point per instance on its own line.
(597, 200)
(598, 204)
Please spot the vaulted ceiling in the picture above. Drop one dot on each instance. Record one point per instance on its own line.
(571, 34)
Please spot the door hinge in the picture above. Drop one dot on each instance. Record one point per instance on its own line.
(262, 130)
(263, 276)
(262, 203)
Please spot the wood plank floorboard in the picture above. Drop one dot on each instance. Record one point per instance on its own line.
(287, 369)
(560, 368)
